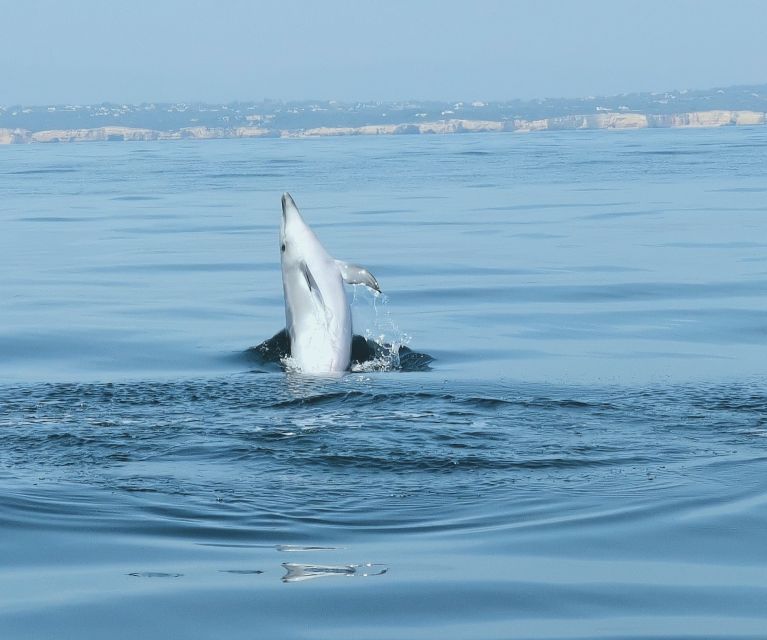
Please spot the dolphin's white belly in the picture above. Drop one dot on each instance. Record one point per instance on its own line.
(315, 349)
(320, 334)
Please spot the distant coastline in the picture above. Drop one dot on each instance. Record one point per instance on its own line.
(609, 120)
(729, 106)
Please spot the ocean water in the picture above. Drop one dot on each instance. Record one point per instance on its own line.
(586, 458)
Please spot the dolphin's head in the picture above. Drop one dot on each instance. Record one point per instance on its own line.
(296, 237)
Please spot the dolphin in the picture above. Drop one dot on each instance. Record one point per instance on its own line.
(317, 312)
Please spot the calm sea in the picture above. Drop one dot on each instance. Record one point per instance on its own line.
(587, 457)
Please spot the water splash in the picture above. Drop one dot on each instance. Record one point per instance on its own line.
(370, 310)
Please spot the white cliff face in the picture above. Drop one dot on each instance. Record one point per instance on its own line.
(460, 126)
(618, 120)
(717, 118)
(748, 118)
(92, 135)
(602, 120)
(13, 136)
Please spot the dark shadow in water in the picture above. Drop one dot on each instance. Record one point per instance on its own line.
(242, 572)
(245, 175)
(271, 353)
(740, 190)
(52, 219)
(712, 245)
(136, 198)
(621, 214)
(31, 172)
(669, 152)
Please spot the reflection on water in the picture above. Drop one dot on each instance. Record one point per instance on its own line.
(301, 572)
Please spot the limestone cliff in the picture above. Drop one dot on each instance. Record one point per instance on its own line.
(14, 136)
(603, 120)
(716, 118)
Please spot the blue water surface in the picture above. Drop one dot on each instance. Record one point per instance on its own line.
(586, 459)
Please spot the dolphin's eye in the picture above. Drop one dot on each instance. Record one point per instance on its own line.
(282, 247)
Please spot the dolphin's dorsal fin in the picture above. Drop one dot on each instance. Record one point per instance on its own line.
(354, 274)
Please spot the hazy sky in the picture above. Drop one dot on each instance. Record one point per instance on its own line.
(85, 51)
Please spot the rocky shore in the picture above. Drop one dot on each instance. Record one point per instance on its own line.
(604, 120)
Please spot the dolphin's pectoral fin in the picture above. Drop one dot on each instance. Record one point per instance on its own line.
(312, 283)
(354, 274)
